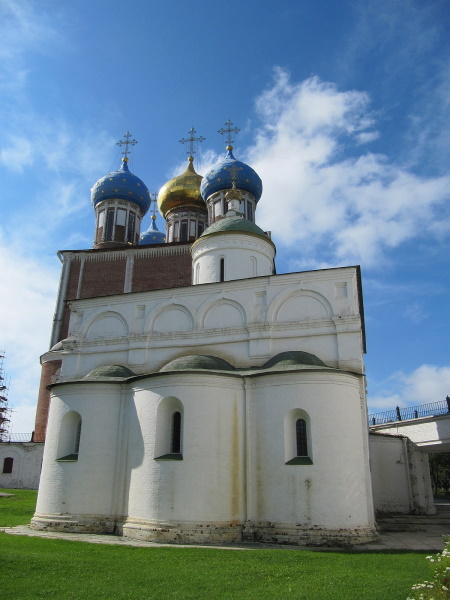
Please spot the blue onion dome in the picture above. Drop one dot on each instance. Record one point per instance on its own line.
(181, 191)
(222, 175)
(234, 225)
(121, 185)
(152, 235)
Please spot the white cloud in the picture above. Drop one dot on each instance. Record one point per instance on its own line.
(26, 309)
(338, 204)
(18, 154)
(426, 384)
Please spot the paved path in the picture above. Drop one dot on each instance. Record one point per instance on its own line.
(428, 540)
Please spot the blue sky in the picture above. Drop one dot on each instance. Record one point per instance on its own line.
(344, 111)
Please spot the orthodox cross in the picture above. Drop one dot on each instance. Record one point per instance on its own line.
(192, 140)
(154, 204)
(229, 130)
(126, 143)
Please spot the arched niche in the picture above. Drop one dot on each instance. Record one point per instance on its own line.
(292, 419)
(107, 325)
(172, 318)
(223, 313)
(169, 415)
(302, 305)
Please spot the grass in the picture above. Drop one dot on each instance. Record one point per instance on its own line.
(17, 509)
(34, 568)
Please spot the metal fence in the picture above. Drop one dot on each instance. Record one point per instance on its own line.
(411, 412)
(17, 437)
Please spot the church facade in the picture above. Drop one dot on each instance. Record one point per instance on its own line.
(191, 394)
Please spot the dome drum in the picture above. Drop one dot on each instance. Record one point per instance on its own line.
(218, 206)
(185, 225)
(117, 223)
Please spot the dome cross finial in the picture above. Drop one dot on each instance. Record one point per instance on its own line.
(154, 204)
(126, 143)
(229, 131)
(192, 141)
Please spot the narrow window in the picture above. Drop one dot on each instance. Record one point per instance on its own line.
(201, 229)
(176, 230)
(109, 225)
(121, 217)
(217, 209)
(8, 464)
(131, 223)
(249, 212)
(302, 441)
(184, 231)
(77, 438)
(175, 442)
(222, 269)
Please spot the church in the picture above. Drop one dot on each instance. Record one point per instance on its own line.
(193, 395)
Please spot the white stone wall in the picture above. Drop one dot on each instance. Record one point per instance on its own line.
(334, 492)
(86, 486)
(400, 476)
(244, 322)
(26, 466)
(233, 481)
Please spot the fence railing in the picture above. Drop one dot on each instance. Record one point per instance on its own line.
(442, 407)
(17, 437)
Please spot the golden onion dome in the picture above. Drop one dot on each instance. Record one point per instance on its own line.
(181, 191)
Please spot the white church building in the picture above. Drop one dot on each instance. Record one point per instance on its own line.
(226, 404)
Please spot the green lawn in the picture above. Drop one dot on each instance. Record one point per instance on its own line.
(33, 568)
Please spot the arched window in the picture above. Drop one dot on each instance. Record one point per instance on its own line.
(8, 464)
(169, 429)
(301, 437)
(222, 269)
(175, 441)
(297, 438)
(69, 437)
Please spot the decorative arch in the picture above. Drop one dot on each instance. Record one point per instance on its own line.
(297, 437)
(106, 325)
(299, 305)
(171, 318)
(169, 436)
(222, 313)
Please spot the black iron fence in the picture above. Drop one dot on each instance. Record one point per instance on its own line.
(411, 412)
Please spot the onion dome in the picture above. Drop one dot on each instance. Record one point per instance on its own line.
(152, 235)
(121, 185)
(181, 191)
(224, 174)
(234, 225)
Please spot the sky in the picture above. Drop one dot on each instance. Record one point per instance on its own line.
(344, 112)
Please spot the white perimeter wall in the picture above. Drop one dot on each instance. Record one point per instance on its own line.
(400, 476)
(26, 466)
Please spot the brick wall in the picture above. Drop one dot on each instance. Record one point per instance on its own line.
(49, 369)
(161, 272)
